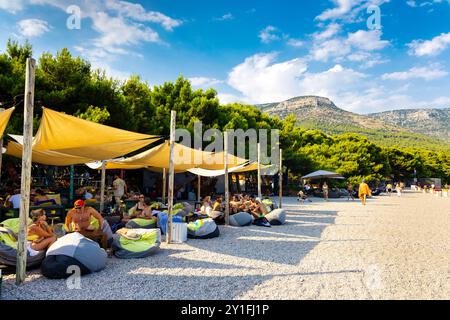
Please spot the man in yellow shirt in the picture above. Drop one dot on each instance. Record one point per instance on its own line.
(364, 191)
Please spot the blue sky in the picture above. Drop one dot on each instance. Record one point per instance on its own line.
(257, 51)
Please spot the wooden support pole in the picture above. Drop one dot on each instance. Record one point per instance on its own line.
(72, 169)
(199, 181)
(280, 181)
(26, 171)
(227, 192)
(164, 186)
(102, 187)
(1, 150)
(259, 172)
(173, 119)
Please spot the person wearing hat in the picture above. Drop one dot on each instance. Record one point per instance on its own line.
(364, 192)
(80, 215)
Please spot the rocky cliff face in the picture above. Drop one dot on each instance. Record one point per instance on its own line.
(434, 122)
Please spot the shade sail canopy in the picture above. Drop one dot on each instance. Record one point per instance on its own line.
(81, 138)
(185, 158)
(4, 119)
(322, 174)
(52, 158)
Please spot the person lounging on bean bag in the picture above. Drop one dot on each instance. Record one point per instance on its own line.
(203, 229)
(241, 219)
(136, 243)
(270, 205)
(73, 249)
(106, 228)
(8, 250)
(276, 217)
(139, 223)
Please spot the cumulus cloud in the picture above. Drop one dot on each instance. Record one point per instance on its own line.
(348, 10)
(269, 34)
(32, 28)
(204, 81)
(225, 17)
(12, 6)
(426, 73)
(260, 79)
(431, 47)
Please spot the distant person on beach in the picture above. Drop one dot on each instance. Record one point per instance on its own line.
(350, 192)
(301, 196)
(325, 191)
(389, 189)
(398, 188)
(364, 192)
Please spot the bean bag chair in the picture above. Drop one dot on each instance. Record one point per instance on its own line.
(8, 250)
(73, 249)
(139, 223)
(13, 224)
(276, 217)
(241, 219)
(106, 228)
(203, 229)
(186, 210)
(216, 214)
(162, 220)
(147, 244)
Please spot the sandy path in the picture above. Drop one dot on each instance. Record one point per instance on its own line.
(394, 248)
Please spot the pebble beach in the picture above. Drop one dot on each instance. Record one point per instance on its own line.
(393, 248)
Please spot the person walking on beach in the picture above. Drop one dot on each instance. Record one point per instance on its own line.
(398, 188)
(325, 191)
(363, 192)
(389, 189)
(350, 192)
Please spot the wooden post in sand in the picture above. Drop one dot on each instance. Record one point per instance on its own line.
(199, 181)
(280, 181)
(173, 119)
(26, 171)
(1, 149)
(164, 186)
(227, 193)
(102, 187)
(259, 172)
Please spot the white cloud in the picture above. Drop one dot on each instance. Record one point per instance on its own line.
(225, 17)
(204, 81)
(341, 48)
(269, 34)
(260, 79)
(348, 10)
(331, 30)
(295, 43)
(367, 40)
(426, 73)
(411, 3)
(138, 13)
(31, 28)
(431, 47)
(12, 6)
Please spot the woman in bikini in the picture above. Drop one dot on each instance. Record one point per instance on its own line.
(39, 232)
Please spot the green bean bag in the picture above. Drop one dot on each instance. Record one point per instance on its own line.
(139, 223)
(276, 217)
(8, 250)
(147, 245)
(241, 219)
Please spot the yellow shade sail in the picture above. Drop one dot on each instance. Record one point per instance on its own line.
(52, 158)
(81, 138)
(4, 119)
(184, 158)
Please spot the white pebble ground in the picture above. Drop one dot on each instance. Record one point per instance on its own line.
(393, 248)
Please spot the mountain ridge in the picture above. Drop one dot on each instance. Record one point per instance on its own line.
(401, 128)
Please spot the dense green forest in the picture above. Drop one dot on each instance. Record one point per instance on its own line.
(69, 84)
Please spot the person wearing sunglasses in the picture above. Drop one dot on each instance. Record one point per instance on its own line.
(80, 216)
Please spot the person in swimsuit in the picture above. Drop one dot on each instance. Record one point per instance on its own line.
(39, 232)
(80, 215)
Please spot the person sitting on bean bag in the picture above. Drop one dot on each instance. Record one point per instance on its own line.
(259, 211)
(80, 215)
(40, 235)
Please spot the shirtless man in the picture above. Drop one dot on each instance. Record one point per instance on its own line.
(81, 215)
(259, 209)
